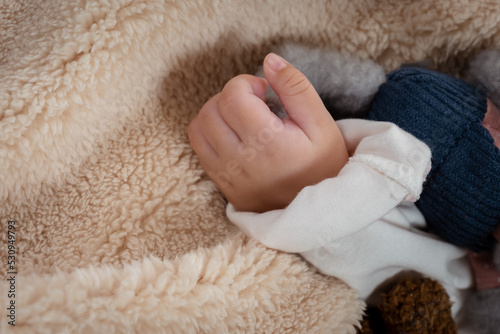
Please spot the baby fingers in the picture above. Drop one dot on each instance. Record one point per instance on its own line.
(242, 107)
(215, 129)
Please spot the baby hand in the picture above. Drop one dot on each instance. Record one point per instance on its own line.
(257, 160)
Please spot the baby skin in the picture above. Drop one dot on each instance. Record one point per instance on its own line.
(259, 161)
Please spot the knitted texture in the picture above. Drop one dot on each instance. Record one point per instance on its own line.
(417, 305)
(461, 197)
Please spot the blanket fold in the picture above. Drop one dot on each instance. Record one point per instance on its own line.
(118, 228)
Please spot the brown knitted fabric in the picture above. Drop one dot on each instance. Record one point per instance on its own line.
(417, 305)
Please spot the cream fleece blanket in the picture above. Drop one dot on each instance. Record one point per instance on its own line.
(118, 230)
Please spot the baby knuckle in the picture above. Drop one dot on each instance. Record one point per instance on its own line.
(296, 84)
(231, 103)
(204, 115)
(272, 152)
(236, 83)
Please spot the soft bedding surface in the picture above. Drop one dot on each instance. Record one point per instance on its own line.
(117, 227)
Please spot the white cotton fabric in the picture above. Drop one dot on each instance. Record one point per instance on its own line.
(362, 226)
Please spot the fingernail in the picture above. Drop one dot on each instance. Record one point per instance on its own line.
(275, 62)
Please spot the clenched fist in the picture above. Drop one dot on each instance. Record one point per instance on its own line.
(259, 161)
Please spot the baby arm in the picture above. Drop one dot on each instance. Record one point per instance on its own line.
(257, 160)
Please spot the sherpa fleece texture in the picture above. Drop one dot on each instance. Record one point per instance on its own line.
(118, 228)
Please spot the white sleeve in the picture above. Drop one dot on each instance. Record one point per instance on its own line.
(388, 166)
(352, 226)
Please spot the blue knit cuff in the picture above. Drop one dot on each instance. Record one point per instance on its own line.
(461, 198)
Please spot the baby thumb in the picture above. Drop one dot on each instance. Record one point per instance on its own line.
(297, 95)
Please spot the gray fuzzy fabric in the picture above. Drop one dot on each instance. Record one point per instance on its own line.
(496, 257)
(484, 311)
(484, 306)
(345, 83)
(484, 72)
